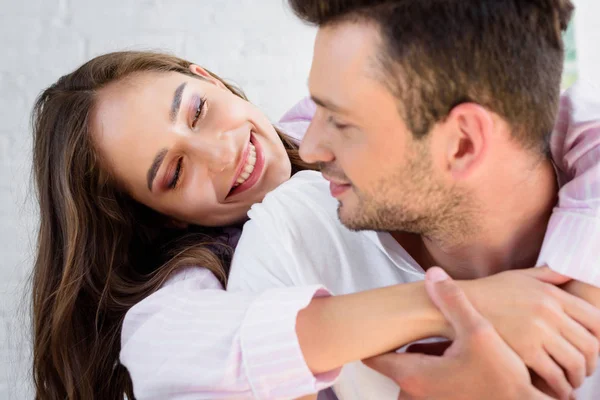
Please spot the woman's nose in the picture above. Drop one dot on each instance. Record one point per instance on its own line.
(218, 151)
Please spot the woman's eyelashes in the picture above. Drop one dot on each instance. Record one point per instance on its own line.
(199, 107)
(174, 180)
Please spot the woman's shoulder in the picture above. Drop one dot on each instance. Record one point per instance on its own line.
(200, 277)
(302, 188)
(303, 201)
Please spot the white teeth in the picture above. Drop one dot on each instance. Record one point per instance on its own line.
(249, 167)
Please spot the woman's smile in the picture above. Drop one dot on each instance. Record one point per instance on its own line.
(217, 156)
(250, 169)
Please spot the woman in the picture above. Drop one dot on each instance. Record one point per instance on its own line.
(140, 161)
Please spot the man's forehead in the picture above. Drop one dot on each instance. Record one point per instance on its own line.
(344, 63)
(347, 45)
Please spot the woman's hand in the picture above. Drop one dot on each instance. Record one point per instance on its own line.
(550, 329)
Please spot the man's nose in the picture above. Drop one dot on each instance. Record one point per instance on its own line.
(314, 147)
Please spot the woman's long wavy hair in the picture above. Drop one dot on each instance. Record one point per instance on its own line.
(98, 251)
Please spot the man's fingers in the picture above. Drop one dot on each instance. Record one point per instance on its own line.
(412, 371)
(545, 274)
(453, 302)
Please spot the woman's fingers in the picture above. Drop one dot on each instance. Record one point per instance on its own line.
(552, 373)
(584, 341)
(569, 358)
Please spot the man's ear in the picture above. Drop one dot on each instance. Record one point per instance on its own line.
(198, 70)
(470, 127)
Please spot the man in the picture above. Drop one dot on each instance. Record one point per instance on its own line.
(426, 128)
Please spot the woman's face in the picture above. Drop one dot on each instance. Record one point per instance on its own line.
(187, 147)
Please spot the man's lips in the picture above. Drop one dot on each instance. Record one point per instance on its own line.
(337, 187)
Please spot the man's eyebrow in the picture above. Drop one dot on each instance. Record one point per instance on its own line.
(327, 104)
(176, 104)
(158, 160)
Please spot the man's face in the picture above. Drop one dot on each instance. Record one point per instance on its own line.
(383, 178)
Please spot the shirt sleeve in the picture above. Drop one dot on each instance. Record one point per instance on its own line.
(191, 339)
(295, 122)
(282, 244)
(572, 242)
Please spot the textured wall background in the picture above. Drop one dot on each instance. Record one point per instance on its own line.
(256, 43)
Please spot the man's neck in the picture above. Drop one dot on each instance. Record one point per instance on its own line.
(510, 234)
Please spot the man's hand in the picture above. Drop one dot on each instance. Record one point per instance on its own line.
(556, 334)
(478, 364)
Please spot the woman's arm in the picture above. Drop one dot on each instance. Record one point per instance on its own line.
(589, 293)
(571, 242)
(531, 315)
(193, 339)
(333, 331)
(538, 320)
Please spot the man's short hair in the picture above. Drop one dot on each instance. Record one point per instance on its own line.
(506, 55)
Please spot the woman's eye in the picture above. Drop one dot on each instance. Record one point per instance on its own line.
(175, 178)
(198, 113)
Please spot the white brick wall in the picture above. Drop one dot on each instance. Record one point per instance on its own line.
(587, 36)
(256, 43)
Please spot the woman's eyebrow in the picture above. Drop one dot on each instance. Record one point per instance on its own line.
(176, 103)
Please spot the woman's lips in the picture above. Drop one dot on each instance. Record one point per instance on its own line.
(256, 173)
(242, 163)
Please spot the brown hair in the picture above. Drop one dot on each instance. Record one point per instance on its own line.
(506, 55)
(98, 251)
